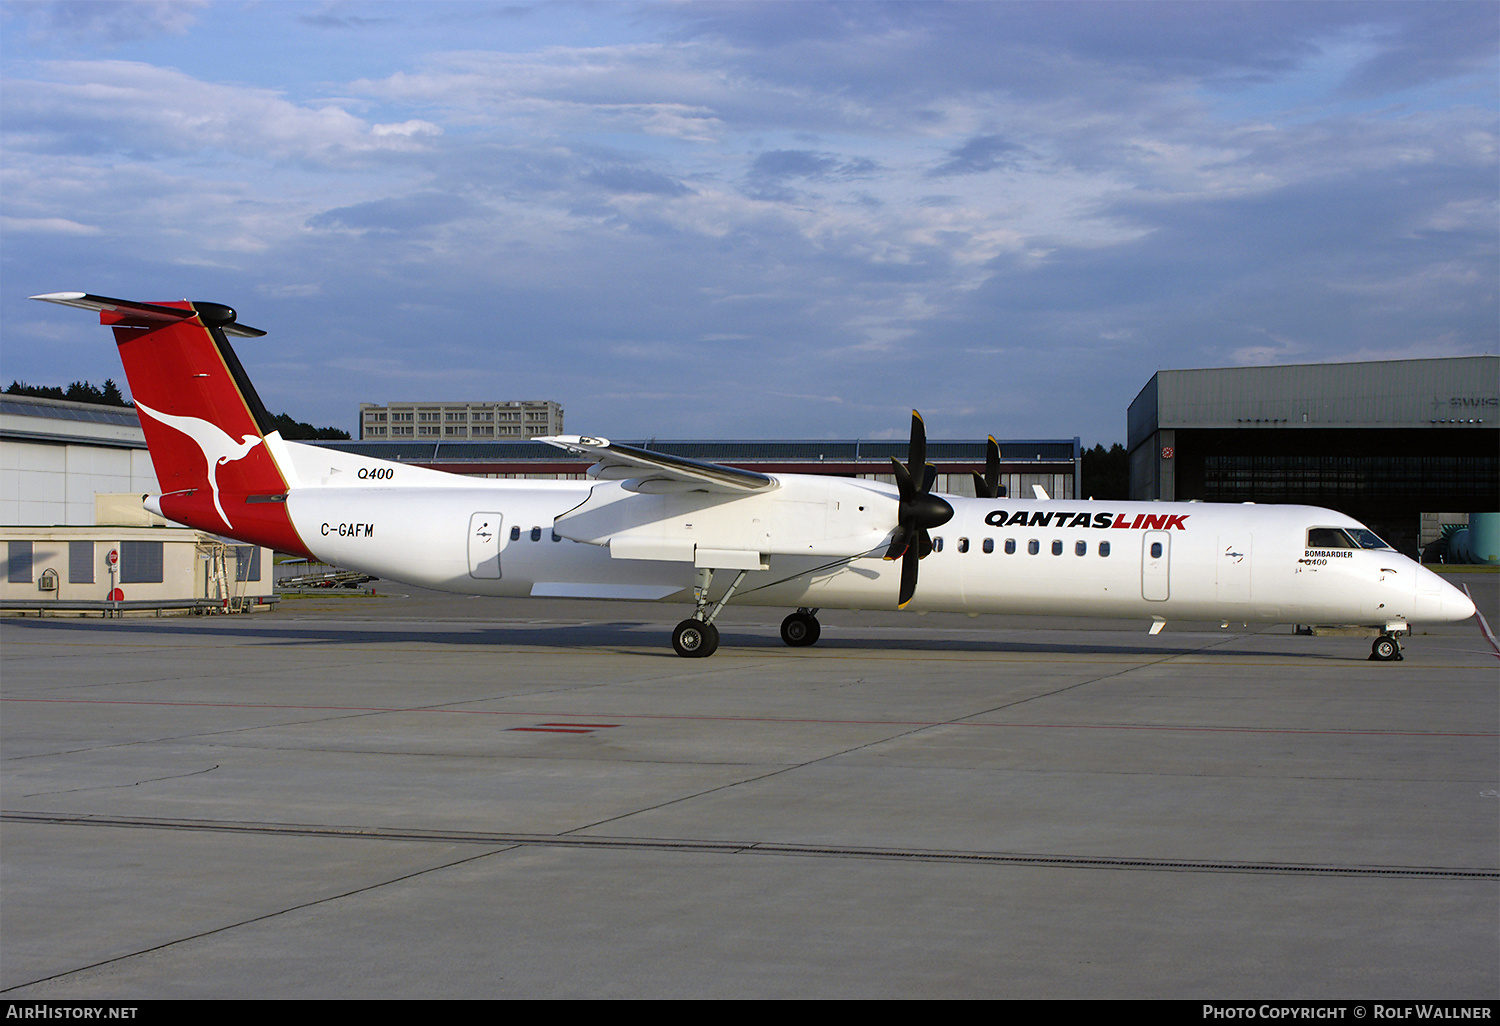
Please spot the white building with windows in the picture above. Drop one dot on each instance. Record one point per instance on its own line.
(460, 421)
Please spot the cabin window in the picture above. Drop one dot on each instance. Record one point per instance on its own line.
(1033, 546)
(515, 533)
(963, 545)
(1056, 547)
(1104, 548)
(989, 545)
(937, 545)
(1010, 546)
(1081, 548)
(536, 534)
(1156, 550)
(556, 537)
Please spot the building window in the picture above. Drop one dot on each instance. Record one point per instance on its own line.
(80, 562)
(246, 563)
(141, 562)
(18, 566)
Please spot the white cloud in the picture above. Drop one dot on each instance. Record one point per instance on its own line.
(46, 225)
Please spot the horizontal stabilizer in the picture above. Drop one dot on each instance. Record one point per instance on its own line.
(212, 315)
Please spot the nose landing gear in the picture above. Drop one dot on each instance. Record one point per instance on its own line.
(1386, 649)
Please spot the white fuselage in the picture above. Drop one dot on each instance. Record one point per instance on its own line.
(1166, 561)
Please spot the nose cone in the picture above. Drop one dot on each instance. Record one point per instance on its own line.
(1443, 603)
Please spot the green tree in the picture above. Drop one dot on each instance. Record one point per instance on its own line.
(1106, 474)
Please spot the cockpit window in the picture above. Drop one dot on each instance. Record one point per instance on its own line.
(1344, 538)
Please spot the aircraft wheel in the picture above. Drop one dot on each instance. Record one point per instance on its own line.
(694, 639)
(800, 629)
(1385, 649)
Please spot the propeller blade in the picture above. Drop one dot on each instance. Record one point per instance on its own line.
(903, 483)
(988, 485)
(916, 454)
(900, 542)
(908, 577)
(917, 509)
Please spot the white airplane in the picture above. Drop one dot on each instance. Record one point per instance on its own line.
(647, 526)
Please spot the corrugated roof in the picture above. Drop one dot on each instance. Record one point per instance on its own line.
(721, 451)
(61, 409)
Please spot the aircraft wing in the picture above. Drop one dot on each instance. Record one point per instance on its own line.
(656, 472)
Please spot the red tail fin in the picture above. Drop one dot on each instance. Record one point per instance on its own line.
(204, 424)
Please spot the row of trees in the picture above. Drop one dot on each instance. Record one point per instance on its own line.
(77, 392)
(109, 395)
(1106, 474)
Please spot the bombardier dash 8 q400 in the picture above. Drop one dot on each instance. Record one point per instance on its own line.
(647, 526)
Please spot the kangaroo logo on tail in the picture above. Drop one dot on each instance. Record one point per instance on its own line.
(218, 447)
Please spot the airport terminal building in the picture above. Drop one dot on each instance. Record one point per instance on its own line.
(1384, 442)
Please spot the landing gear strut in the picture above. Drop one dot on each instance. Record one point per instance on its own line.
(801, 628)
(1386, 649)
(698, 638)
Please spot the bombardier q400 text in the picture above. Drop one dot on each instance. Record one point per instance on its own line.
(653, 527)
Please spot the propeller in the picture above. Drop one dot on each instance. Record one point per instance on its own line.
(918, 510)
(988, 485)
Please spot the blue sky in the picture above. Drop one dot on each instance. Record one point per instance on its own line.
(755, 220)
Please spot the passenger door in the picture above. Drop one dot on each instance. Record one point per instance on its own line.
(1156, 551)
(484, 545)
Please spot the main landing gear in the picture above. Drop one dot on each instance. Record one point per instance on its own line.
(1386, 649)
(801, 628)
(697, 638)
